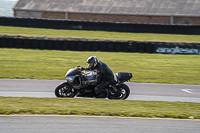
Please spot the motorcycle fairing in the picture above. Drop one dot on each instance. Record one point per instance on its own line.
(73, 80)
(90, 75)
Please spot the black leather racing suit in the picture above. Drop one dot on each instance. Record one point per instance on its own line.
(104, 77)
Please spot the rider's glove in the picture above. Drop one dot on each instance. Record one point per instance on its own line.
(82, 68)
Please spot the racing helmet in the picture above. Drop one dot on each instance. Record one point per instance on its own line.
(92, 62)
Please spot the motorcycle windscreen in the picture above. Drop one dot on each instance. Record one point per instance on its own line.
(91, 75)
(72, 72)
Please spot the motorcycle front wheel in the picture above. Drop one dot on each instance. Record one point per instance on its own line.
(122, 93)
(64, 90)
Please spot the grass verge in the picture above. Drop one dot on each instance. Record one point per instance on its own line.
(98, 107)
(96, 35)
(52, 64)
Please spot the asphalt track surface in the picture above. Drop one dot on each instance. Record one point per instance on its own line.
(85, 124)
(139, 91)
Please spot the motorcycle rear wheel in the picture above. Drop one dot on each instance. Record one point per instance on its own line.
(64, 90)
(122, 93)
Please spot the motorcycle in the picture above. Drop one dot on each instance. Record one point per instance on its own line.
(72, 87)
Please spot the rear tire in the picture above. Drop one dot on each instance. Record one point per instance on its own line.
(123, 92)
(65, 90)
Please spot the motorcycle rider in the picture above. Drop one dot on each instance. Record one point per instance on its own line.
(104, 77)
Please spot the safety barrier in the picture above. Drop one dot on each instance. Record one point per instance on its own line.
(100, 26)
(98, 45)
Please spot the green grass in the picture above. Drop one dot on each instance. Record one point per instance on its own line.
(53, 33)
(77, 106)
(52, 64)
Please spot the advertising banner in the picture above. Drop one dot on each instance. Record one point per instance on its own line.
(177, 50)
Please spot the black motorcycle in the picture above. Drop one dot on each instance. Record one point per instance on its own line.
(73, 88)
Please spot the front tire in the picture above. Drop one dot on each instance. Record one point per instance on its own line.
(65, 90)
(122, 93)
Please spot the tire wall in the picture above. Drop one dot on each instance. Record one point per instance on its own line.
(96, 45)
